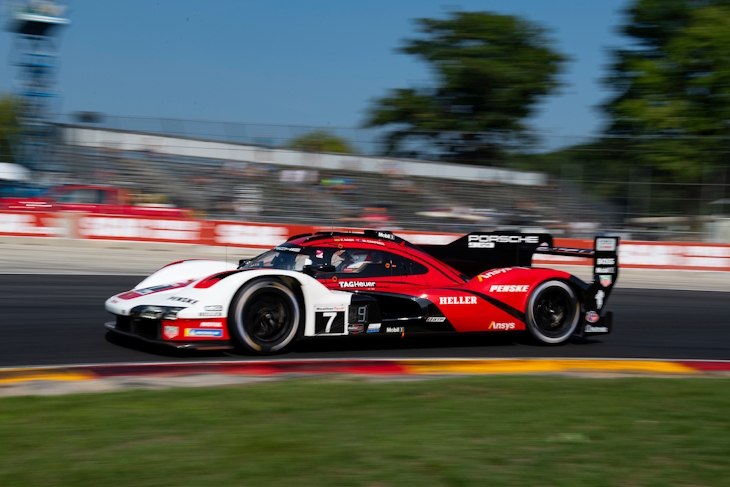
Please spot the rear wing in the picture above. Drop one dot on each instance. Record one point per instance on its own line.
(604, 255)
(476, 252)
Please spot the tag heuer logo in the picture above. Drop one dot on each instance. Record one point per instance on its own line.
(171, 331)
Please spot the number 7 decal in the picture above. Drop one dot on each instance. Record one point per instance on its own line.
(331, 315)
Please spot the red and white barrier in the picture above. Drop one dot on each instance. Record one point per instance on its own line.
(648, 255)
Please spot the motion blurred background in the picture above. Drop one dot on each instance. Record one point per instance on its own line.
(573, 117)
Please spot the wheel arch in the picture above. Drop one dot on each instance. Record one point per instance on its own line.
(288, 282)
(577, 292)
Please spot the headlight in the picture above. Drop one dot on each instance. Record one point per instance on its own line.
(156, 312)
(171, 313)
(151, 312)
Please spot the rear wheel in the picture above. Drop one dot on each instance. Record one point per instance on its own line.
(264, 316)
(552, 312)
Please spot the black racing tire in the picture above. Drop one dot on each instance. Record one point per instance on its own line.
(552, 313)
(264, 316)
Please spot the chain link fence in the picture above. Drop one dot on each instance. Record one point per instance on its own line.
(576, 200)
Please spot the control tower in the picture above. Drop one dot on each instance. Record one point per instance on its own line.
(36, 25)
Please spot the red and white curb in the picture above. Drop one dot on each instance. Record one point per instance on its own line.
(386, 367)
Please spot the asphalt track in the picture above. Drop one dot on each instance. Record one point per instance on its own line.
(57, 320)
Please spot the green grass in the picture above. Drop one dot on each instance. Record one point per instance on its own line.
(486, 431)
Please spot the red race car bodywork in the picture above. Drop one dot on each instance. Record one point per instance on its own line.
(342, 284)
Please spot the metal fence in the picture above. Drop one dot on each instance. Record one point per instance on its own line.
(577, 201)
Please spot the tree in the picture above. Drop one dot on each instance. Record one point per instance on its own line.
(673, 88)
(322, 141)
(9, 130)
(490, 71)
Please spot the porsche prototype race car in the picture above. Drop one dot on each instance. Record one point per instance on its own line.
(340, 284)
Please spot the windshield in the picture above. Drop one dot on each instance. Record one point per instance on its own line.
(280, 259)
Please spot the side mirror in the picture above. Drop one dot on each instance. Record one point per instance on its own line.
(316, 268)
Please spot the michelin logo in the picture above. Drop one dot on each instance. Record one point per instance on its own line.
(197, 332)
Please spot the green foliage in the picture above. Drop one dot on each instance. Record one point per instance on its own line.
(673, 87)
(490, 72)
(322, 141)
(9, 108)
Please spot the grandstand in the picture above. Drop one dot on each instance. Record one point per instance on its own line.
(252, 184)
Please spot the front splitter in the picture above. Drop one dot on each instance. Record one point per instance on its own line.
(197, 345)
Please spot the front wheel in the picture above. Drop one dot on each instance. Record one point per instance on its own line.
(552, 312)
(264, 316)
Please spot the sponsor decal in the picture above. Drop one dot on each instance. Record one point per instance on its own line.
(355, 328)
(329, 308)
(592, 317)
(606, 244)
(198, 332)
(373, 327)
(211, 324)
(170, 332)
(368, 241)
(605, 270)
(241, 234)
(155, 289)
(435, 319)
(140, 228)
(182, 300)
(596, 329)
(395, 329)
(346, 284)
(599, 298)
(319, 254)
(458, 300)
(501, 326)
(387, 235)
(606, 261)
(488, 241)
(288, 249)
(605, 280)
(495, 272)
(513, 288)
(13, 223)
(214, 307)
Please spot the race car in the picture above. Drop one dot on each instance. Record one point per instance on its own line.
(358, 284)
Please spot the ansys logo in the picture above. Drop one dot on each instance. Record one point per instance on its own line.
(501, 326)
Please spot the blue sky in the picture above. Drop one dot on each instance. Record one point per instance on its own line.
(318, 62)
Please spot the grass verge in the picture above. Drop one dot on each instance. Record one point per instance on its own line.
(521, 431)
